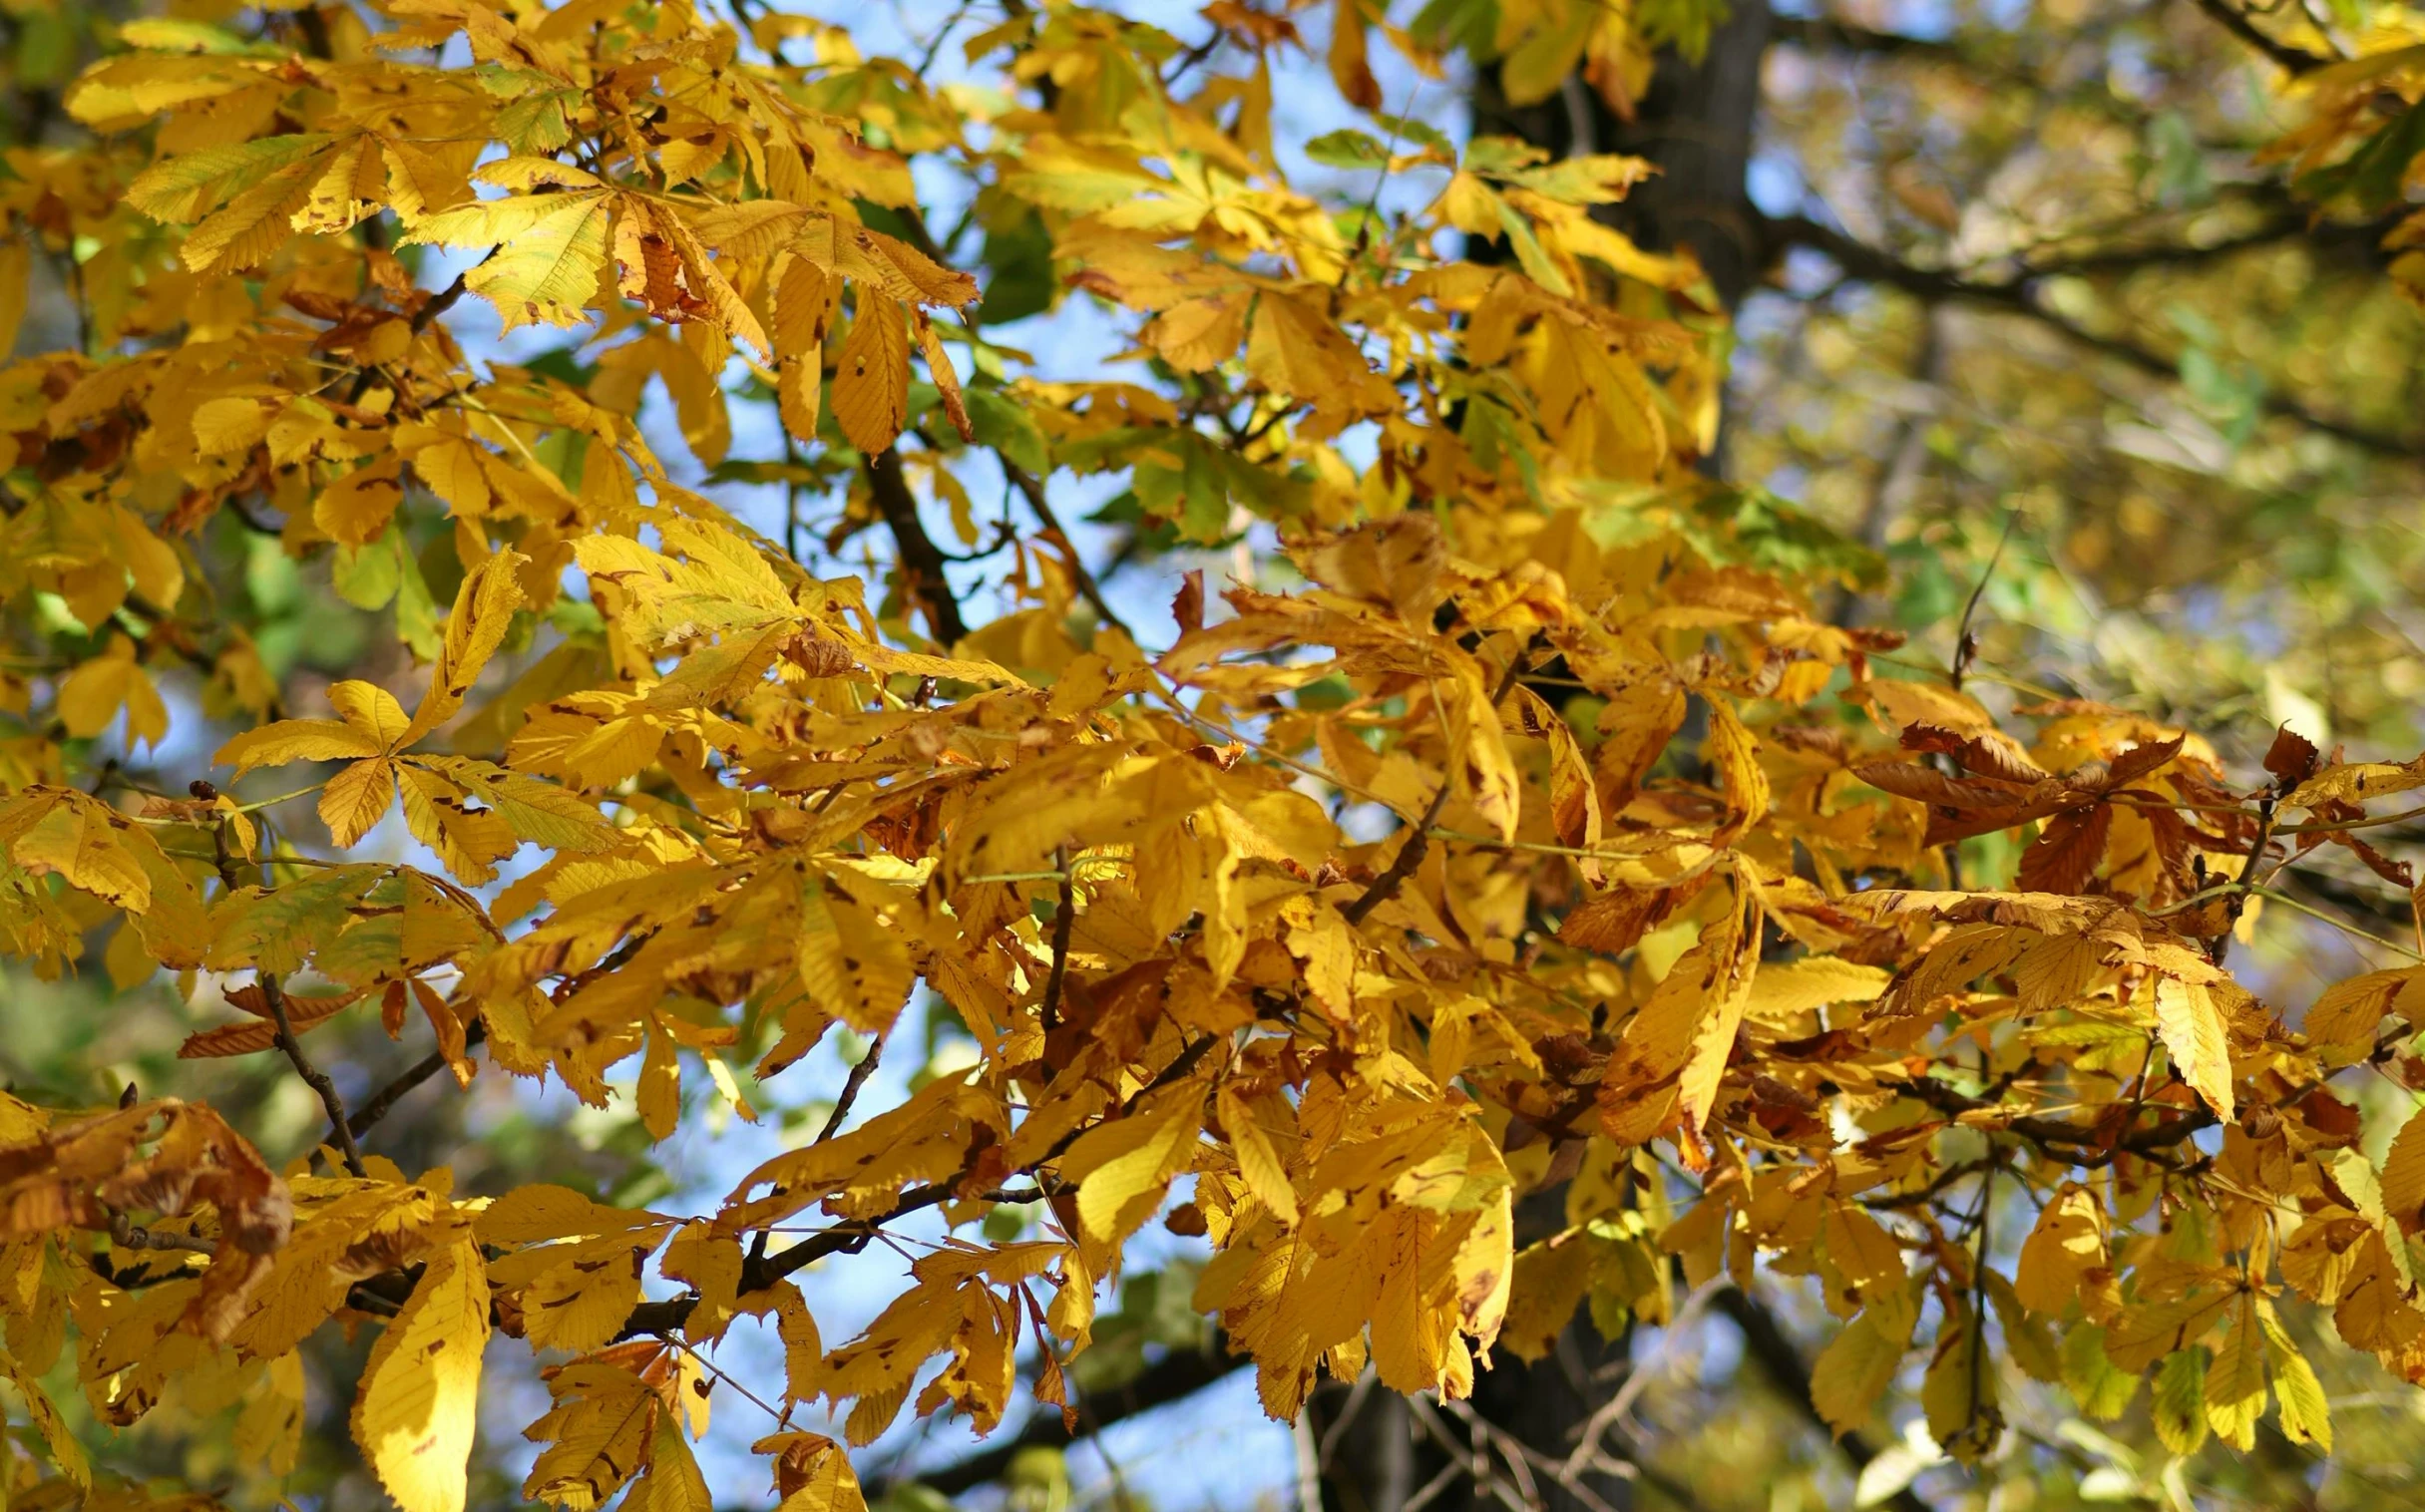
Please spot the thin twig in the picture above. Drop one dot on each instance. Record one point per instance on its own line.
(761, 1271)
(2350, 929)
(921, 564)
(127, 1235)
(1062, 917)
(851, 1085)
(1032, 489)
(1965, 645)
(2221, 943)
(274, 994)
(437, 304)
(1863, 263)
(1418, 841)
(340, 1124)
(385, 1099)
(2291, 60)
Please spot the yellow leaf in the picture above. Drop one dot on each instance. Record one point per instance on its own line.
(230, 424)
(551, 252)
(2236, 1381)
(1296, 350)
(2306, 1417)
(296, 741)
(812, 1474)
(1733, 751)
(1858, 1365)
(803, 1347)
(78, 838)
(91, 696)
(190, 185)
(1122, 1168)
(1258, 1161)
(253, 224)
(484, 612)
(1792, 988)
(270, 1431)
(66, 1452)
(2064, 1260)
(673, 1482)
(853, 964)
(580, 1301)
(1960, 1390)
(2191, 1027)
(658, 1095)
(872, 376)
(2404, 1175)
(539, 1211)
(420, 1395)
(355, 508)
(356, 799)
(16, 272)
(872, 259)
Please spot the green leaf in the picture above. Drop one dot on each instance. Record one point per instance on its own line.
(2180, 1407)
(1004, 425)
(2306, 1417)
(1349, 150)
(189, 186)
(368, 576)
(1422, 134)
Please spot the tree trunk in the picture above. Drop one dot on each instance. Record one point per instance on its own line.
(1693, 123)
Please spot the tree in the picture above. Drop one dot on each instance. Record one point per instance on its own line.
(1533, 900)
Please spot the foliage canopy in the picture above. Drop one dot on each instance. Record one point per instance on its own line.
(1527, 826)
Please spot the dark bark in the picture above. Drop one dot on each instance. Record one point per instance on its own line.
(1695, 123)
(1176, 1376)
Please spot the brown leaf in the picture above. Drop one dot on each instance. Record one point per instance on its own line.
(1992, 754)
(2292, 758)
(2065, 856)
(2397, 873)
(2137, 762)
(259, 1033)
(1187, 605)
(1959, 808)
(1614, 920)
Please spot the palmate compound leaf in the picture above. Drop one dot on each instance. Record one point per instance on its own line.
(551, 256)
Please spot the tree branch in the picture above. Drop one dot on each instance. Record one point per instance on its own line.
(386, 1098)
(1765, 1341)
(1825, 33)
(851, 1087)
(2291, 60)
(437, 304)
(340, 1125)
(2082, 1144)
(1174, 1377)
(761, 1271)
(1032, 489)
(922, 562)
(1867, 264)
